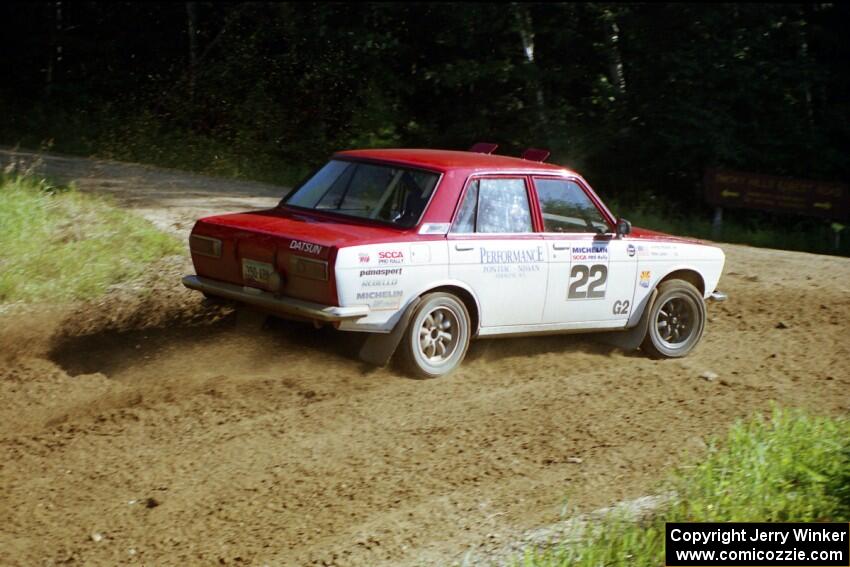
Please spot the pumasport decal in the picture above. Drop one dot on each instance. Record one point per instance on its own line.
(380, 272)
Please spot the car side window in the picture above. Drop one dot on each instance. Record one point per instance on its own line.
(567, 208)
(494, 206)
(465, 221)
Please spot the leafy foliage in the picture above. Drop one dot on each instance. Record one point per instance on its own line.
(640, 98)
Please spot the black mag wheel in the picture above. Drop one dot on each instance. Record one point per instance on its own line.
(676, 321)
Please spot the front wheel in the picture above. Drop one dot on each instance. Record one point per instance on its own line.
(437, 337)
(676, 320)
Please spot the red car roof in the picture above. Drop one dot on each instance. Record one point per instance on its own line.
(449, 159)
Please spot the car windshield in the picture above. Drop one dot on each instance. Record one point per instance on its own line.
(370, 191)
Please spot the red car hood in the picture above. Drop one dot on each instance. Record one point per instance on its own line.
(320, 229)
(645, 233)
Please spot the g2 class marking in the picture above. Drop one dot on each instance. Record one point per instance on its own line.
(621, 307)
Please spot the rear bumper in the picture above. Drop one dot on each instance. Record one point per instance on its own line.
(270, 302)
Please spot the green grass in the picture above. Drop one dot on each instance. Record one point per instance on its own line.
(790, 466)
(57, 244)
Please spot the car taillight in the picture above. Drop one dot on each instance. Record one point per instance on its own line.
(205, 246)
(307, 268)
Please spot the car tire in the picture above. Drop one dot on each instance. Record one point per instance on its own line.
(676, 320)
(437, 337)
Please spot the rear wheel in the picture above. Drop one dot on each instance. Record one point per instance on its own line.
(437, 337)
(676, 320)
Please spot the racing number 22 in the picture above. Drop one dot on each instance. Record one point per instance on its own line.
(594, 277)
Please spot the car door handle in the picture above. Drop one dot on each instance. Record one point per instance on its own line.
(463, 247)
(561, 246)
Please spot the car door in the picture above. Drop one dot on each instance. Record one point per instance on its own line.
(494, 249)
(591, 272)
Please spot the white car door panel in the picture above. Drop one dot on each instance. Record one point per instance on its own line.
(594, 283)
(591, 273)
(494, 250)
(508, 275)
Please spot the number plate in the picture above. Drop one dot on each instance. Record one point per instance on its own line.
(256, 272)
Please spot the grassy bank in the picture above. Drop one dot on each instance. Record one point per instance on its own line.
(57, 244)
(788, 467)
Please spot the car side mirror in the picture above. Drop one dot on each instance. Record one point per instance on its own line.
(624, 227)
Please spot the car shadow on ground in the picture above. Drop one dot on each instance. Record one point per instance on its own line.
(111, 352)
(495, 349)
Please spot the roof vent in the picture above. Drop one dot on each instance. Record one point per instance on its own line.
(484, 148)
(534, 154)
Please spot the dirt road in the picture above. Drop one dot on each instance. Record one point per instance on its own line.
(152, 430)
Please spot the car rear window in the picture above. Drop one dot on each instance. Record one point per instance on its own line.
(379, 192)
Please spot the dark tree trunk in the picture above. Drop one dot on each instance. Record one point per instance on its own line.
(55, 59)
(192, 29)
(526, 32)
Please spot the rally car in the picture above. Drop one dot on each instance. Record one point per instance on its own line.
(427, 249)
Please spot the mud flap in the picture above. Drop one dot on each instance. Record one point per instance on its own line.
(630, 339)
(380, 347)
(250, 320)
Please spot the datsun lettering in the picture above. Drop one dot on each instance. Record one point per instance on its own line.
(308, 247)
(425, 250)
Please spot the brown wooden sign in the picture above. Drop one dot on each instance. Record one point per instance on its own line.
(782, 194)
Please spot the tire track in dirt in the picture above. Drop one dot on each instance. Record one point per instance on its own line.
(278, 447)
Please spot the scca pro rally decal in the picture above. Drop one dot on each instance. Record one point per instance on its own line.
(391, 257)
(307, 247)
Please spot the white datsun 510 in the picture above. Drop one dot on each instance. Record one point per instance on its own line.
(427, 249)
